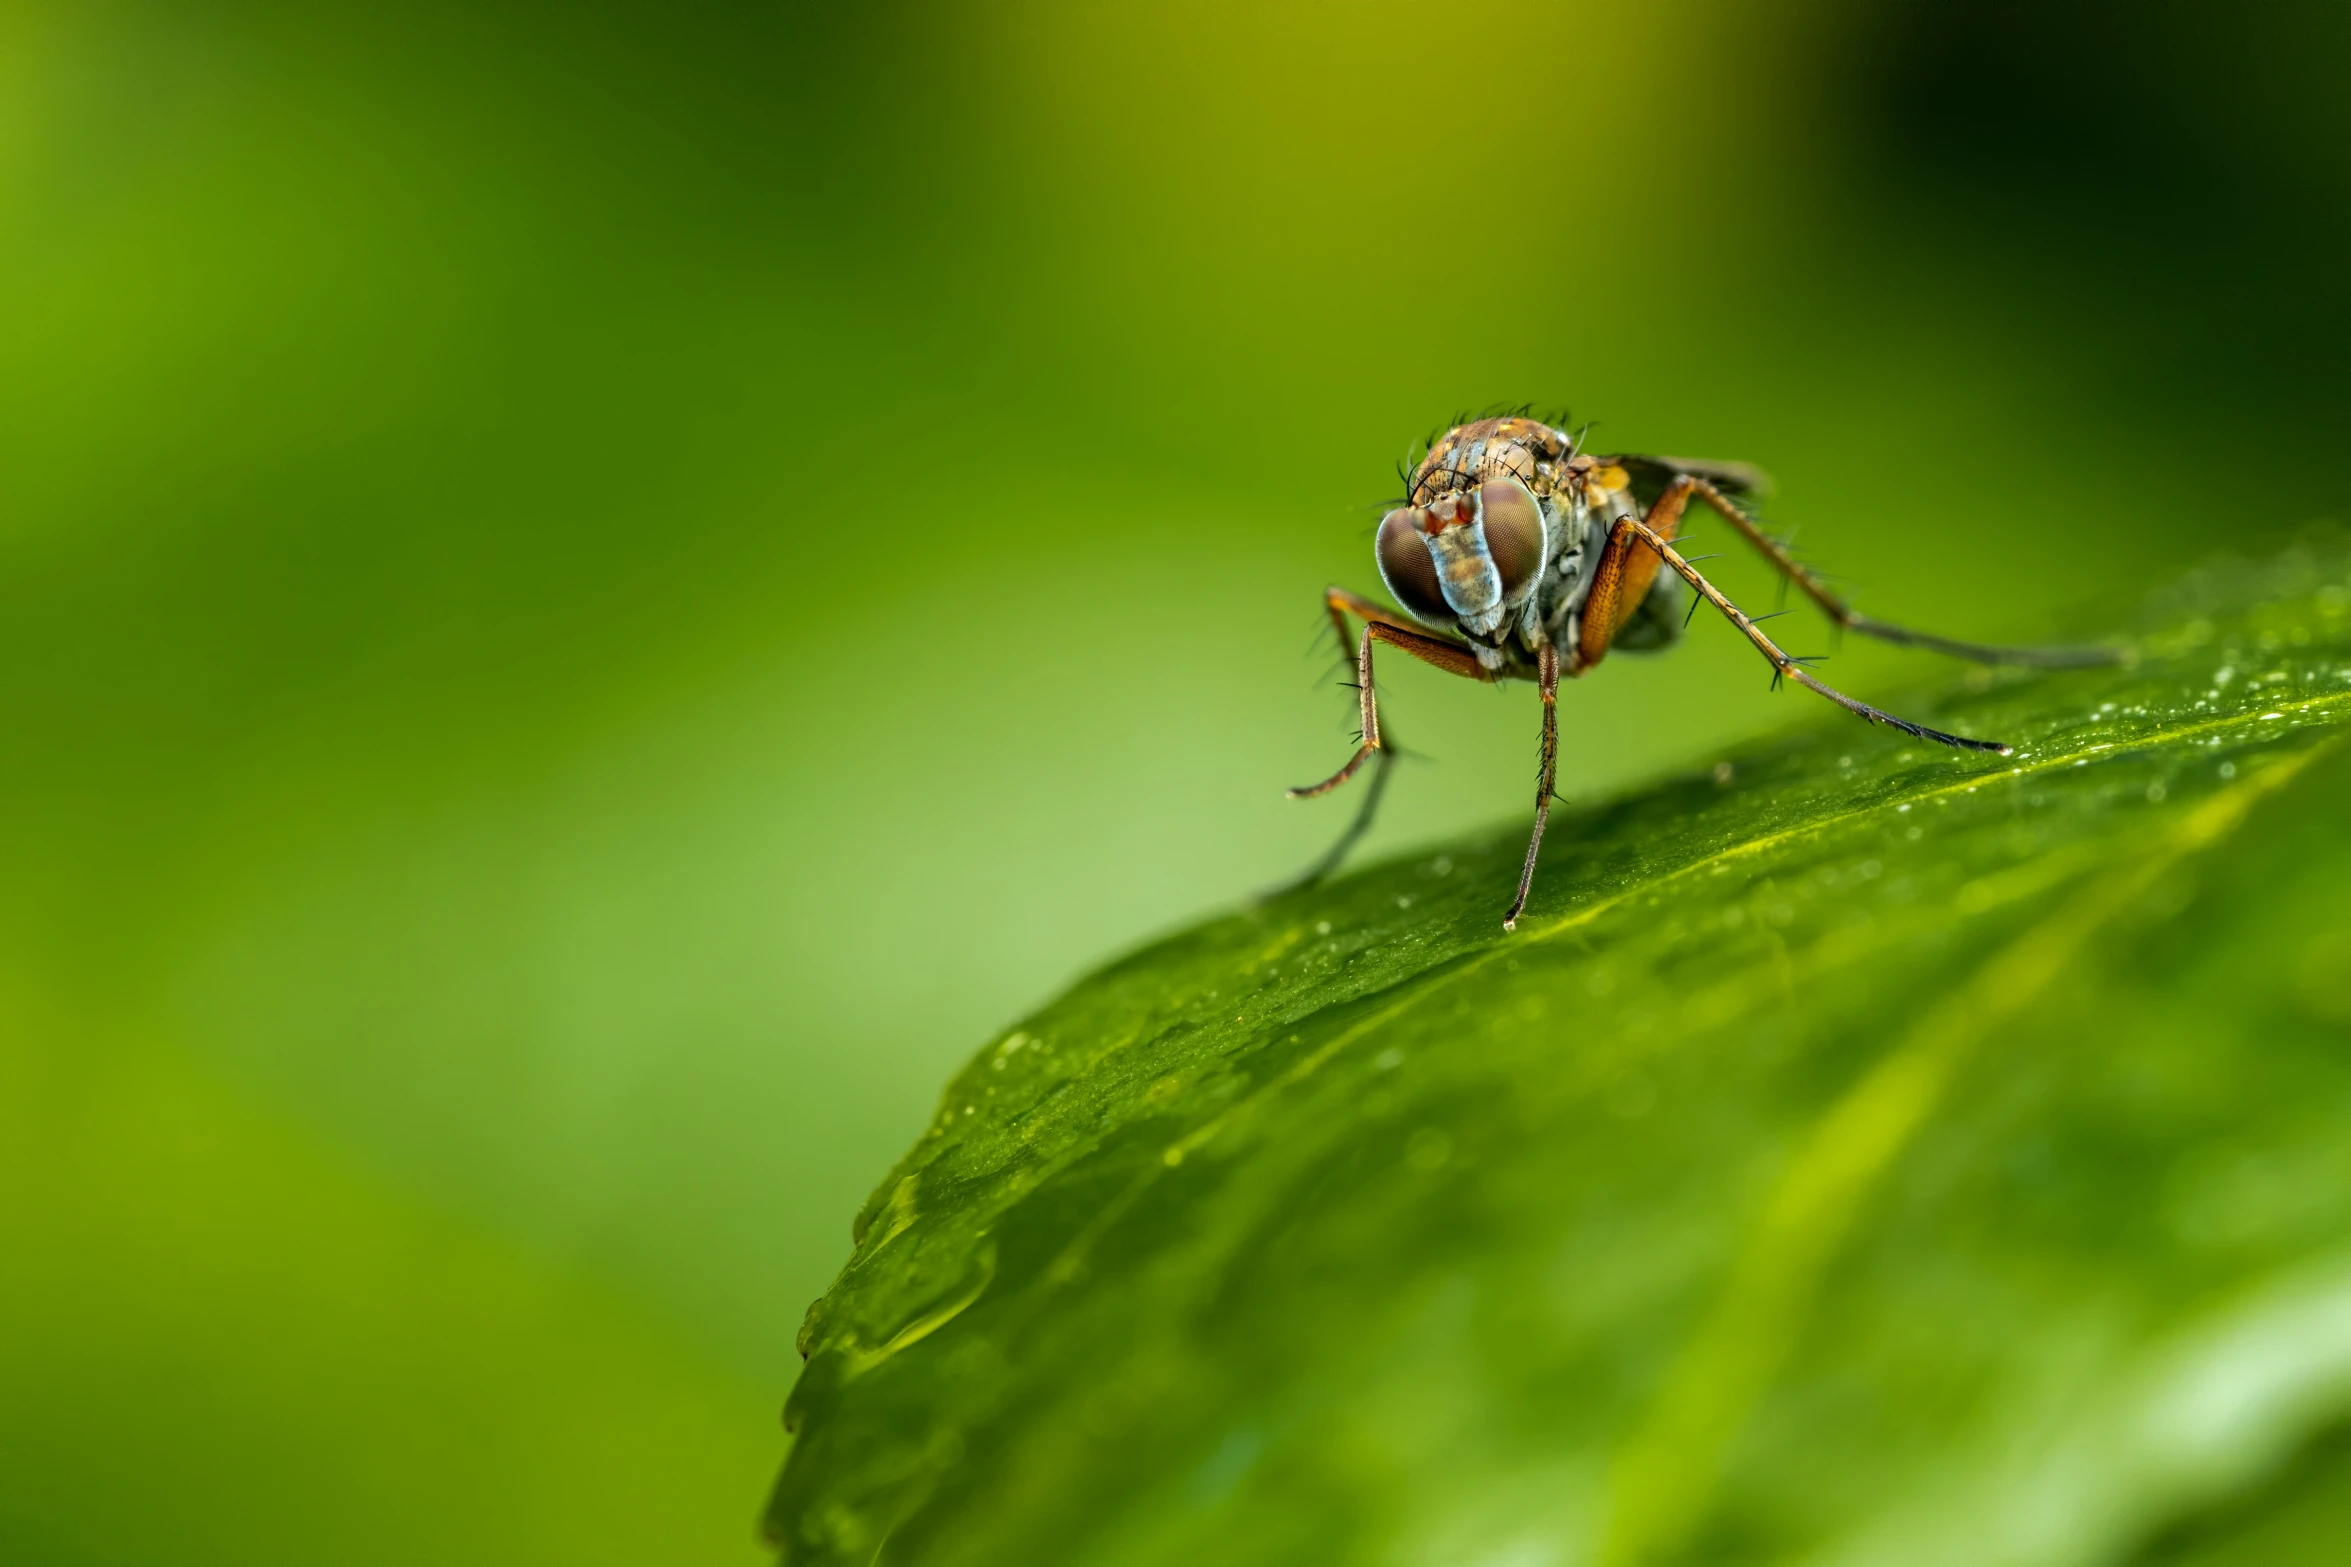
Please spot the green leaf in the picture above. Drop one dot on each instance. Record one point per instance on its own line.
(1864, 1153)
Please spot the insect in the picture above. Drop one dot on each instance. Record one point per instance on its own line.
(1521, 556)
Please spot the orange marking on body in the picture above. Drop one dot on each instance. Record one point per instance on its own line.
(1451, 512)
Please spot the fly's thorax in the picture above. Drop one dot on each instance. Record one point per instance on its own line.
(1584, 510)
(1513, 447)
(1606, 491)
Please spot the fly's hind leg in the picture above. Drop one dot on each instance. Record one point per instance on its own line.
(1631, 532)
(1379, 625)
(1687, 485)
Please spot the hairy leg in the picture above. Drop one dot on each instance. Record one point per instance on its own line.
(1380, 624)
(1852, 619)
(1787, 667)
(1547, 673)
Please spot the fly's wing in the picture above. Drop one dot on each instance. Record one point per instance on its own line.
(1652, 474)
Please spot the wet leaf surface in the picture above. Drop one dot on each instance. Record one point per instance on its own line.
(1861, 1153)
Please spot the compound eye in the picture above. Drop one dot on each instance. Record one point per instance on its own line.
(1407, 567)
(1514, 532)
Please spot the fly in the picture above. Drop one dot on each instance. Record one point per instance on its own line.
(1522, 557)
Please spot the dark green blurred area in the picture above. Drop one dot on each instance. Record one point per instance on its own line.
(592, 596)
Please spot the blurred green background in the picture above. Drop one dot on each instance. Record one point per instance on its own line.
(593, 594)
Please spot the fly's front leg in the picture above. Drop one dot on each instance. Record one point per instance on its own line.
(1383, 625)
(1788, 668)
(1368, 811)
(1380, 625)
(1369, 732)
(1687, 485)
(1451, 657)
(1547, 673)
